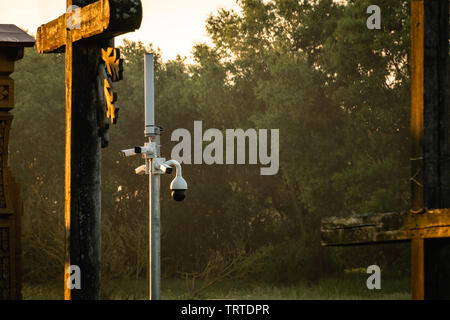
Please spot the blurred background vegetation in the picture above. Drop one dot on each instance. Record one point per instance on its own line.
(338, 92)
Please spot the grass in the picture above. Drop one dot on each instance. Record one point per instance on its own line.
(348, 287)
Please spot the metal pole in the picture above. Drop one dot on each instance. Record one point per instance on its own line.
(149, 96)
(155, 231)
(154, 184)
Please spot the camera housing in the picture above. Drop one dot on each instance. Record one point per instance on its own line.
(159, 166)
(178, 188)
(146, 151)
(128, 152)
(141, 170)
(165, 168)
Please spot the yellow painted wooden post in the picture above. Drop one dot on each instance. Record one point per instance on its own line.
(99, 22)
(417, 127)
(68, 157)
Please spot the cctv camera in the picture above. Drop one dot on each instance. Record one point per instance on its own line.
(165, 168)
(128, 152)
(147, 150)
(141, 170)
(178, 195)
(178, 188)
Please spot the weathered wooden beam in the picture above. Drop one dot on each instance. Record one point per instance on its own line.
(103, 19)
(12, 43)
(417, 133)
(417, 125)
(436, 150)
(385, 227)
(436, 146)
(417, 269)
(85, 170)
(425, 225)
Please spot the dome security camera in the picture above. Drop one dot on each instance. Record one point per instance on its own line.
(178, 186)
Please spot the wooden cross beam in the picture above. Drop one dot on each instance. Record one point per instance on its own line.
(385, 227)
(427, 224)
(83, 34)
(102, 19)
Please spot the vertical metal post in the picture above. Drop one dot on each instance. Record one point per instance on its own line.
(154, 184)
(149, 96)
(155, 231)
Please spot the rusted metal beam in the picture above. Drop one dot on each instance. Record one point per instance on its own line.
(103, 19)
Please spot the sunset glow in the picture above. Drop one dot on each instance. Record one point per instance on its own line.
(172, 25)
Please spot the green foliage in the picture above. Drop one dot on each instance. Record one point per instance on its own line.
(393, 259)
(347, 287)
(285, 263)
(37, 161)
(338, 92)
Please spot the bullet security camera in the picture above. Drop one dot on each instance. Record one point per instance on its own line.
(141, 170)
(128, 152)
(146, 149)
(178, 185)
(165, 168)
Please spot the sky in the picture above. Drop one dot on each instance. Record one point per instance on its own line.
(172, 25)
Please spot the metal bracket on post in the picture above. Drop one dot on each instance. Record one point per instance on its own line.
(152, 130)
(159, 167)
